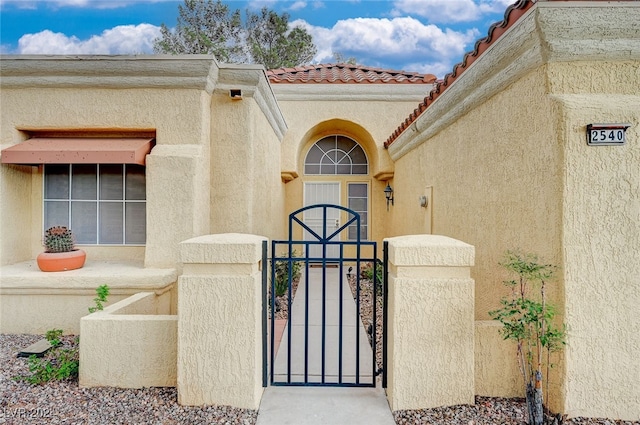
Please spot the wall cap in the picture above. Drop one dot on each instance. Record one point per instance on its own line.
(430, 250)
(225, 248)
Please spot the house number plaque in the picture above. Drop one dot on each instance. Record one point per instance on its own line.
(607, 134)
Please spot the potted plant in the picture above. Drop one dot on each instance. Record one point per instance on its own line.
(60, 252)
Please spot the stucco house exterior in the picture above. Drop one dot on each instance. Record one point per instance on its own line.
(494, 155)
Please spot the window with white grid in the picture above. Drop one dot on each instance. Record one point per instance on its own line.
(103, 204)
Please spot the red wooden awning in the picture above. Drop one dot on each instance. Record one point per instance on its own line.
(54, 150)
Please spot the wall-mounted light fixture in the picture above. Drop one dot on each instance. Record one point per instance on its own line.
(388, 193)
(235, 94)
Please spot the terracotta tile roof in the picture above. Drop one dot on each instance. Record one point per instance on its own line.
(511, 15)
(345, 73)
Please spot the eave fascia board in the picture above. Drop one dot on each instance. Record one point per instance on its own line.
(109, 71)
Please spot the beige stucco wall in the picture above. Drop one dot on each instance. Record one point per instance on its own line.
(247, 193)
(220, 321)
(505, 151)
(496, 182)
(64, 98)
(171, 96)
(496, 372)
(367, 113)
(130, 344)
(430, 341)
(601, 222)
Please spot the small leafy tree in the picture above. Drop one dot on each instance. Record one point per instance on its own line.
(528, 319)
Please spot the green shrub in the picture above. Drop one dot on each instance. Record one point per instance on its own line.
(366, 272)
(60, 363)
(102, 292)
(282, 273)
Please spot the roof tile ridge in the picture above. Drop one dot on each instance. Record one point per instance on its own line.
(495, 31)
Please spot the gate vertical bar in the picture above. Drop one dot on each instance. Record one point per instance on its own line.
(306, 315)
(340, 315)
(273, 309)
(374, 319)
(265, 300)
(385, 307)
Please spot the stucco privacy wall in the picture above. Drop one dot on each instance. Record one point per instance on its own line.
(130, 344)
(430, 341)
(504, 148)
(220, 321)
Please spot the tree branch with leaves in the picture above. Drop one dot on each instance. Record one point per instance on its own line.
(528, 319)
(210, 27)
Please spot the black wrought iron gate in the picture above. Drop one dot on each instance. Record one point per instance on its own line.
(325, 319)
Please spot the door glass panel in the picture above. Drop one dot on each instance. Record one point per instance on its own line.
(359, 202)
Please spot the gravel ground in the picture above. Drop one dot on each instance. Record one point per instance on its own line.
(366, 312)
(66, 403)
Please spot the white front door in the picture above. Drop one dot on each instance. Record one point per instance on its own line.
(322, 193)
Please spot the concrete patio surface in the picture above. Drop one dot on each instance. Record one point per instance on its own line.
(324, 406)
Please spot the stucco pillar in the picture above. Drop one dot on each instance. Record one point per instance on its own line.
(220, 321)
(431, 322)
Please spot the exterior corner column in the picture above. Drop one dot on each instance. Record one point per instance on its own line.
(220, 321)
(430, 342)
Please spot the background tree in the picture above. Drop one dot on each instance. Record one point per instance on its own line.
(204, 27)
(209, 27)
(340, 58)
(271, 43)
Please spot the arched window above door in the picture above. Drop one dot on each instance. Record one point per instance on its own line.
(336, 155)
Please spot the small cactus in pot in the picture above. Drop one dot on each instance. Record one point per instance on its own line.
(58, 239)
(60, 252)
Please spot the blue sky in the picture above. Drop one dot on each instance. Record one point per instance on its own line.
(427, 36)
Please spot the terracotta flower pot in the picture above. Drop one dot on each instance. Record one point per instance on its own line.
(61, 261)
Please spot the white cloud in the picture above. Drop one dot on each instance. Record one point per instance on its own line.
(298, 5)
(449, 11)
(404, 42)
(124, 39)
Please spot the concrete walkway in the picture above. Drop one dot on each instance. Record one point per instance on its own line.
(324, 405)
